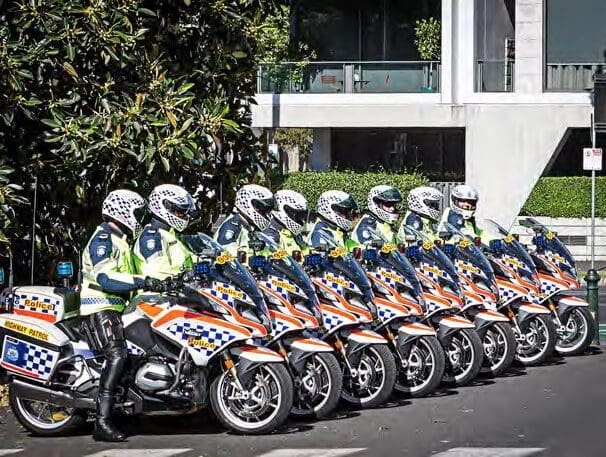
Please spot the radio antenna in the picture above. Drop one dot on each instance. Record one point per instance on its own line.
(34, 230)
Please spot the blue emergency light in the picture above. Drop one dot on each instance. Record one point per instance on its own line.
(496, 246)
(312, 260)
(370, 254)
(412, 252)
(257, 261)
(201, 268)
(449, 249)
(65, 269)
(540, 242)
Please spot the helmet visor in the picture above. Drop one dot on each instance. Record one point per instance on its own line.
(433, 204)
(298, 215)
(140, 214)
(181, 210)
(264, 205)
(346, 208)
(466, 204)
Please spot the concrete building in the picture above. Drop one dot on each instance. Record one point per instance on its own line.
(494, 109)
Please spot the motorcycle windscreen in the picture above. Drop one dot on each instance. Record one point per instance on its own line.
(398, 262)
(286, 266)
(351, 269)
(476, 257)
(232, 271)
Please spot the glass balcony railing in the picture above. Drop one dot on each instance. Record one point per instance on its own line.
(349, 77)
(571, 77)
(495, 75)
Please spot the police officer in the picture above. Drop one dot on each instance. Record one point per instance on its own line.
(109, 280)
(461, 214)
(382, 212)
(336, 213)
(423, 212)
(252, 212)
(288, 221)
(159, 253)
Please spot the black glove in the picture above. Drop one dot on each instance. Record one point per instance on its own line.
(154, 285)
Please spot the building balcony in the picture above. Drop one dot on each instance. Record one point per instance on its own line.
(571, 77)
(349, 77)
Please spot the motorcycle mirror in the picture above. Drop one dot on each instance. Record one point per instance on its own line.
(537, 228)
(297, 256)
(242, 257)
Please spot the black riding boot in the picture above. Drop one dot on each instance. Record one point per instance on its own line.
(105, 430)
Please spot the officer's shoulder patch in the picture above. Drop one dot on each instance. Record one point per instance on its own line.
(100, 247)
(150, 242)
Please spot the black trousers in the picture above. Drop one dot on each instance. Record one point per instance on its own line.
(109, 335)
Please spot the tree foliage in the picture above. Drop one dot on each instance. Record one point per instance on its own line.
(101, 94)
(428, 38)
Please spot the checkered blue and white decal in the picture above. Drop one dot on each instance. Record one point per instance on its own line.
(337, 286)
(549, 287)
(218, 290)
(133, 349)
(30, 358)
(273, 283)
(214, 337)
(38, 304)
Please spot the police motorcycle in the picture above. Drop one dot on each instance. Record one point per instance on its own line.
(294, 309)
(519, 295)
(400, 304)
(188, 347)
(348, 312)
(557, 272)
(444, 299)
(479, 285)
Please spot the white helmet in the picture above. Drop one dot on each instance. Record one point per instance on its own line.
(126, 208)
(463, 200)
(337, 207)
(255, 203)
(425, 201)
(291, 210)
(173, 205)
(383, 202)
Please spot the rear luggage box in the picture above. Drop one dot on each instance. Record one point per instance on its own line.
(29, 346)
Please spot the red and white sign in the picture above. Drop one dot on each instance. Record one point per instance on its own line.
(592, 159)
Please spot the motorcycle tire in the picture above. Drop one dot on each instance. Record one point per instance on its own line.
(584, 340)
(333, 377)
(471, 337)
(382, 354)
(61, 422)
(503, 332)
(225, 409)
(430, 345)
(551, 336)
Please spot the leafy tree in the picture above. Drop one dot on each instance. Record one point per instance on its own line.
(428, 38)
(101, 94)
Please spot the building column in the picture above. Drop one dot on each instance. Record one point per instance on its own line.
(529, 47)
(321, 154)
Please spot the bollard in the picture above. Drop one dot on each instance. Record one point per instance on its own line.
(592, 279)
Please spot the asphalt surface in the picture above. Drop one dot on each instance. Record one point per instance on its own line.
(552, 410)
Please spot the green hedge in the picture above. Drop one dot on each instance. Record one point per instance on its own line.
(312, 183)
(565, 197)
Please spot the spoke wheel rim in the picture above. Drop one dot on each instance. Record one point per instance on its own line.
(421, 367)
(313, 389)
(46, 416)
(460, 355)
(495, 346)
(370, 380)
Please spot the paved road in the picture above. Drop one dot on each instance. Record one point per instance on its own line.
(545, 411)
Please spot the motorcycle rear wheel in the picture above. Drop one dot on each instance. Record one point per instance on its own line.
(581, 325)
(499, 349)
(539, 343)
(266, 405)
(425, 353)
(46, 419)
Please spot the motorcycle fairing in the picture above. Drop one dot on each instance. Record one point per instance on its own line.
(337, 298)
(388, 311)
(282, 324)
(365, 337)
(308, 320)
(335, 318)
(257, 354)
(204, 336)
(395, 296)
(309, 345)
(416, 329)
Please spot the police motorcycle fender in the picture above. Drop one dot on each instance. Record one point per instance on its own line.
(480, 290)
(348, 310)
(183, 348)
(398, 293)
(519, 294)
(294, 309)
(444, 299)
(557, 273)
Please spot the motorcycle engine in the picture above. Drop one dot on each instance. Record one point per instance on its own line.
(154, 375)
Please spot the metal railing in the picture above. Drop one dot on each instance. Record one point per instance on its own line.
(349, 77)
(495, 75)
(571, 77)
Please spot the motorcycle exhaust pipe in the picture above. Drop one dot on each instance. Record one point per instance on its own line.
(38, 393)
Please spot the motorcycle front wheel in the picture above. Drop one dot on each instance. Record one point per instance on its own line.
(499, 349)
(464, 356)
(577, 334)
(318, 387)
(373, 380)
(261, 407)
(536, 345)
(424, 368)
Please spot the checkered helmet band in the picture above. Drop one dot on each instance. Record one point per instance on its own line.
(121, 205)
(248, 201)
(287, 201)
(167, 196)
(425, 201)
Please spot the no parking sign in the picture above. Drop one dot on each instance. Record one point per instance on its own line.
(592, 159)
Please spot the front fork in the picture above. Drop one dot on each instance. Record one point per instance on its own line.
(514, 323)
(341, 349)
